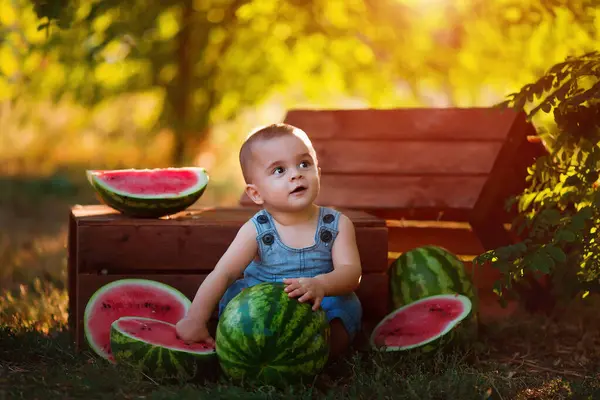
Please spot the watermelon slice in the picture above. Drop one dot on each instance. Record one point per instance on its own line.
(420, 323)
(152, 346)
(149, 193)
(129, 297)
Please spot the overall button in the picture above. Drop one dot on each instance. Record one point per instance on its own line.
(268, 239)
(328, 218)
(262, 219)
(326, 236)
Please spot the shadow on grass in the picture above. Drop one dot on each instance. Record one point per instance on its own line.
(46, 366)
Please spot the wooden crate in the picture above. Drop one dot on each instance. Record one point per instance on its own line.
(181, 250)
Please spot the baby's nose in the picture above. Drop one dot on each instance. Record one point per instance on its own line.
(295, 173)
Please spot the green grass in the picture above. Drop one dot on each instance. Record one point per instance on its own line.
(42, 366)
(530, 358)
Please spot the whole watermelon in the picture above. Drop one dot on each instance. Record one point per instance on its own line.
(266, 337)
(431, 270)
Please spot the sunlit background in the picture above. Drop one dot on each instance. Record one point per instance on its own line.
(149, 84)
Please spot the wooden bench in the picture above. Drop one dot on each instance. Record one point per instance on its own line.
(437, 176)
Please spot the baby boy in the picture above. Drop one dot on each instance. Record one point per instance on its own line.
(311, 249)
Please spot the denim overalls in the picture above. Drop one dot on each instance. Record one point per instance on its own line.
(278, 261)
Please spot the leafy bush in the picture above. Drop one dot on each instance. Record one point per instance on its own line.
(558, 214)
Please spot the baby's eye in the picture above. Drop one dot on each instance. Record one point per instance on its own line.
(304, 164)
(278, 170)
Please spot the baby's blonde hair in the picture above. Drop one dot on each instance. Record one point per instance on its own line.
(266, 133)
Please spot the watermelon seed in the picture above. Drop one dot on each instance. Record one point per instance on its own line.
(439, 309)
(399, 332)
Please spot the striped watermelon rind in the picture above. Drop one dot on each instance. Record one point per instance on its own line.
(436, 340)
(149, 205)
(161, 363)
(266, 337)
(432, 270)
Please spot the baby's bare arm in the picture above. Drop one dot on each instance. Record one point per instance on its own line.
(239, 254)
(346, 262)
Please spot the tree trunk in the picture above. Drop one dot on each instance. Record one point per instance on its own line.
(180, 99)
(192, 125)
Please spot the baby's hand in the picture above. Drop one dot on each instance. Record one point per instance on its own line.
(309, 288)
(191, 331)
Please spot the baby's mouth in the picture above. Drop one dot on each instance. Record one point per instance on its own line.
(299, 189)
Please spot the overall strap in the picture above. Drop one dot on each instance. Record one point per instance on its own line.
(265, 228)
(328, 225)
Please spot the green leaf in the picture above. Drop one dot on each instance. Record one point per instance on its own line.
(556, 253)
(579, 219)
(541, 262)
(526, 200)
(597, 198)
(551, 216)
(586, 212)
(565, 235)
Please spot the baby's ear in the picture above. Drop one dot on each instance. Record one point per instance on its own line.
(253, 193)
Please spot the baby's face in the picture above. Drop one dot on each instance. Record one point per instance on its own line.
(284, 173)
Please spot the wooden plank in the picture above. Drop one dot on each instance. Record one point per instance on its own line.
(390, 211)
(217, 216)
(121, 248)
(372, 246)
(374, 191)
(180, 248)
(87, 284)
(507, 175)
(420, 213)
(458, 241)
(449, 124)
(373, 293)
(399, 158)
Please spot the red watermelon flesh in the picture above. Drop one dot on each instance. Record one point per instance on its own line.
(159, 333)
(135, 182)
(149, 193)
(130, 297)
(420, 322)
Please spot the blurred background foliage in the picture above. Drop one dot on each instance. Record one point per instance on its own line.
(136, 84)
